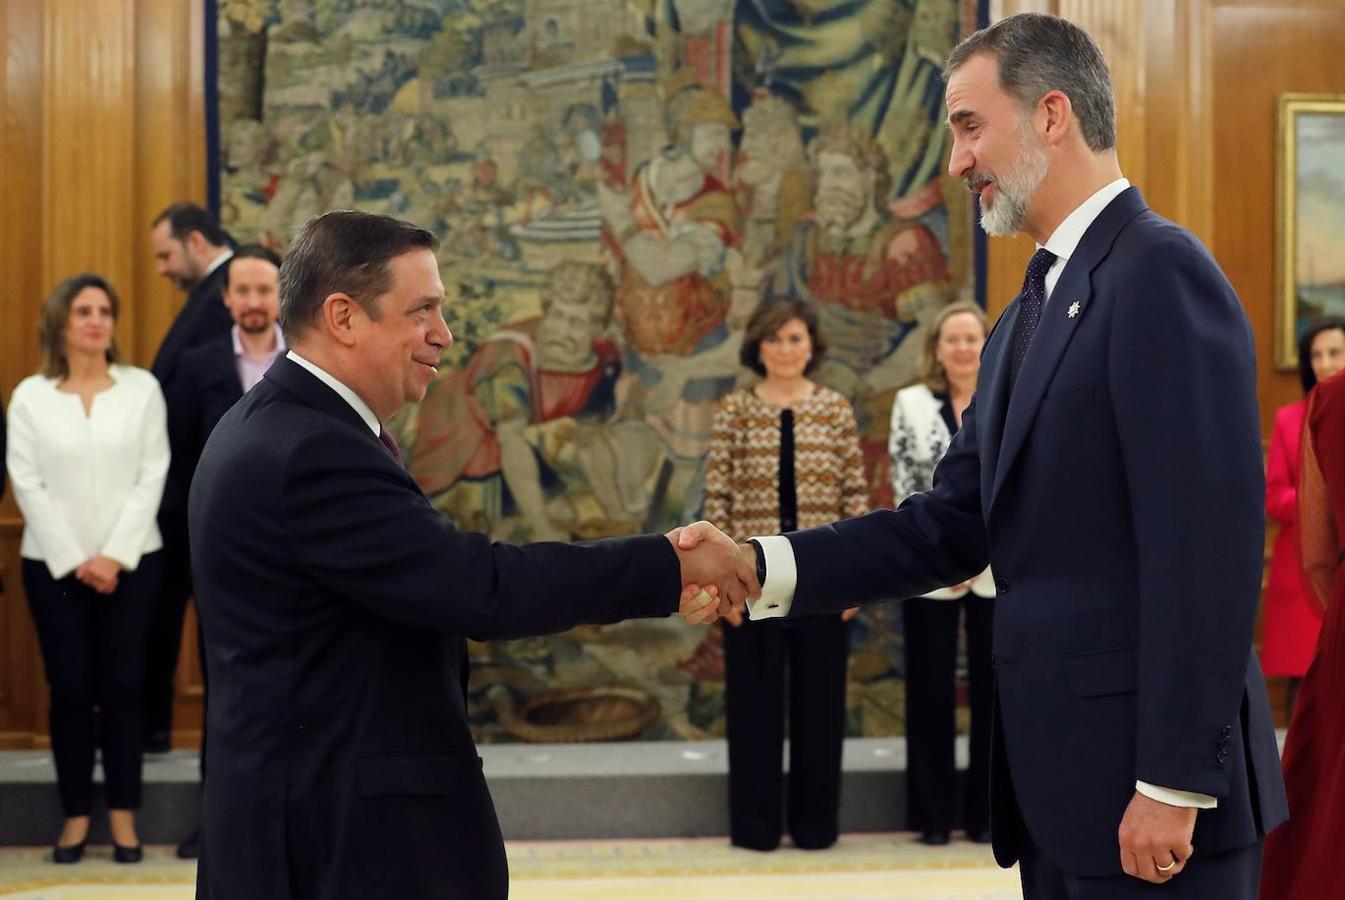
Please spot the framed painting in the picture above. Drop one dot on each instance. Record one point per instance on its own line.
(1310, 259)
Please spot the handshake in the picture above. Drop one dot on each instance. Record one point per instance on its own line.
(719, 575)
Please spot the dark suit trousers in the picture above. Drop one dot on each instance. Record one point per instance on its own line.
(1234, 875)
(93, 651)
(931, 632)
(765, 662)
(165, 638)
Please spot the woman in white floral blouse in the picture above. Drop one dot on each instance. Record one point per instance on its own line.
(925, 417)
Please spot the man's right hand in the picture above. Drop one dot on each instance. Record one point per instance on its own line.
(741, 561)
(710, 557)
(699, 606)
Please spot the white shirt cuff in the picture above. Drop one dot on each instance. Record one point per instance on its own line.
(777, 594)
(1188, 799)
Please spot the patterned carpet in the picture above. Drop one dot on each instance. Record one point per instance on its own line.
(860, 867)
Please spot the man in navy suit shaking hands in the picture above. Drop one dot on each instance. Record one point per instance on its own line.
(1109, 470)
(335, 600)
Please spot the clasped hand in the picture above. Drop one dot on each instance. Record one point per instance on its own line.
(99, 573)
(719, 575)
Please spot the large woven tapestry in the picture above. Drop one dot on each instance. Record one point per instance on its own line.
(616, 185)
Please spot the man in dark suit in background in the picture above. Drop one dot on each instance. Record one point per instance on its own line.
(336, 600)
(212, 377)
(190, 250)
(1109, 470)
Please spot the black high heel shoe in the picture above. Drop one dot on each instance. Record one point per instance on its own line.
(127, 854)
(67, 855)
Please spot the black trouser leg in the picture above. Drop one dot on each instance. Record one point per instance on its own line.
(931, 699)
(63, 614)
(754, 694)
(818, 650)
(1040, 877)
(169, 607)
(1231, 875)
(980, 612)
(121, 633)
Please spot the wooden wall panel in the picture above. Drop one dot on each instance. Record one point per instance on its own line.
(1289, 47)
(88, 142)
(22, 709)
(102, 126)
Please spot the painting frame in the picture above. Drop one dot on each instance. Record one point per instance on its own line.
(1288, 303)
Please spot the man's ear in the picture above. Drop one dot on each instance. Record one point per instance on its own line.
(1056, 117)
(341, 316)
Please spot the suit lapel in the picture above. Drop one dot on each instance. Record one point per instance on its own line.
(991, 393)
(224, 366)
(294, 378)
(1066, 308)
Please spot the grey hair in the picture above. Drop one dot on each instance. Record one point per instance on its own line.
(1037, 54)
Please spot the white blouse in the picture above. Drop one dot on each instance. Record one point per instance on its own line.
(918, 440)
(88, 484)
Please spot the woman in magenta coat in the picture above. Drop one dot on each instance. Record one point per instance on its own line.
(1292, 624)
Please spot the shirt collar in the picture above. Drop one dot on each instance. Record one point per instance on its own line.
(218, 261)
(1065, 239)
(344, 392)
(237, 333)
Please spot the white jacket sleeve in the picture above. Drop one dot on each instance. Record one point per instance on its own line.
(44, 520)
(137, 517)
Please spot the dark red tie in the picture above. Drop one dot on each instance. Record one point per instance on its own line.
(391, 445)
(1029, 310)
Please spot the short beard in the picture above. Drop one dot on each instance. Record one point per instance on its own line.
(1014, 190)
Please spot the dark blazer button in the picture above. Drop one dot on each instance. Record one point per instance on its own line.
(1001, 586)
(1222, 756)
(1228, 730)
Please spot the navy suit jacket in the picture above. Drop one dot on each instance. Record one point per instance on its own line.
(203, 388)
(204, 317)
(335, 601)
(1119, 497)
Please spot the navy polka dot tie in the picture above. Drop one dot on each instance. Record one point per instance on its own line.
(390, 444)
(1029, 309)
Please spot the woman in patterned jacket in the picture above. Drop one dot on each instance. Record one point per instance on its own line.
(925, 417)
(784, 455)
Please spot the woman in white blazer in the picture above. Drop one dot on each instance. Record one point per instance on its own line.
(87, 457)
(925, 416)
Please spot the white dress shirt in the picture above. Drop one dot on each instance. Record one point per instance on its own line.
(88, 484)
(777, 594)
(1065, 239)
(344, 392)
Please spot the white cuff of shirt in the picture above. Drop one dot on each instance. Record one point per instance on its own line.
(1188, 799)
(777, 594)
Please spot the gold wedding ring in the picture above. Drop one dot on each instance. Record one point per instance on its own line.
(1169, 867)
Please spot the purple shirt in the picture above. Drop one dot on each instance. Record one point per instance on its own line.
(250, 368)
